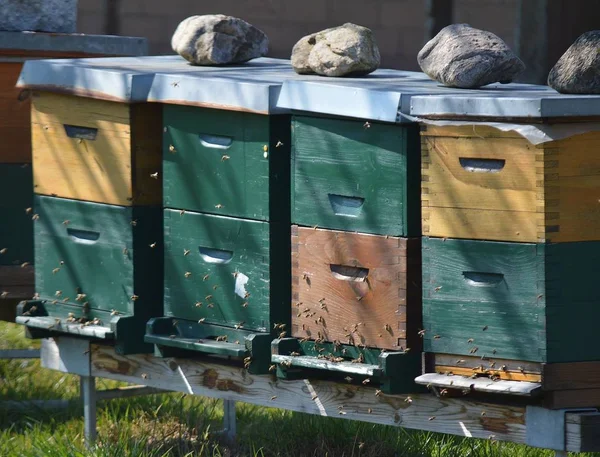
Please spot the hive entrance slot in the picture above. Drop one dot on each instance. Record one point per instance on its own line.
(215, 141)
(346, 206)
(348, 273)
(218, 256)
(83, 236)
(477, 279)
(81, 133)
(482, 165)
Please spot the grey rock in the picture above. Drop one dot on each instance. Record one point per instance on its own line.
(57, 16)
(578, 70)
(340, 51)
(216, 39)
(465, 57)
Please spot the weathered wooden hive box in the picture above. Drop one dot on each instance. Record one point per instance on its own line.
(226, 176)
(16, 264)
(98, 194)
(512, 225)
(356, 268)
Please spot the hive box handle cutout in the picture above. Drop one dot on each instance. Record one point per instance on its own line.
(83, 236)
(346, 206)
(81, 133)
(348, 273)
(482, 165)
(476, 279)
(218, 256)
(215, 141)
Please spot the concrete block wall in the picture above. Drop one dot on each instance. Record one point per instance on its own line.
(398, 24)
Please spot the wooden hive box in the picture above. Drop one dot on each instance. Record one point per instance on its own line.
(96, 150)
(484, 183)
(356, 299)
(98, 271)
(514, 311)
(226, 162)
(355, 175)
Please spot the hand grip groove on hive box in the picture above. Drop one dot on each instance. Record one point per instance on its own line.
(348, 273)
(477, 279)
(81, 133)
(83, 236)
(482, 165)
(346, 206)
(215, 141)
(218, 256)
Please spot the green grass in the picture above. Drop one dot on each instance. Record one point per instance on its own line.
(177, 425)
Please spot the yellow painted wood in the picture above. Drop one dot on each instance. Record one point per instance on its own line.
(477, 224)
(540, 193)
(112, 167)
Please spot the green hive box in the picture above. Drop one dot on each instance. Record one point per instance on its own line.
(356, 175)
(16, 228)
(521, 301)
(226, 280)
(95, 261)
(226, 162)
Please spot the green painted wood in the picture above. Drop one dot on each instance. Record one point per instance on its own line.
(44, 319)
(532, 302)
(392, 372)
(99, 258)
(215, 162)
(214, 265)
(16, 228)
(348, 175)
(482, 271)
(176, 337)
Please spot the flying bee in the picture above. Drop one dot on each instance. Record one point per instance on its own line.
(225, 157)
(201, 321)
(154, 175)
(378, 392)
(186, 252)
(153, 245)
(218, 206)
(187, 274)
(55, 270)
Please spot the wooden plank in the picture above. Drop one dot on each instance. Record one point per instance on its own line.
(97, 169)
(418, 411)
(582, 431)
(580, 398)
(518, 388)
(480, 224)
(146, 149)
(492, 362)
(15, 129)
(571, 376)
(501, 374)
(354, 288)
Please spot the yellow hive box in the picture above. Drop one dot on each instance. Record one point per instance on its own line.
(487, 184)
(96, 150)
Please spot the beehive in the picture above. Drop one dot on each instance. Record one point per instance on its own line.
(226, 170)
(15, 153)
(356, 305)
(512, 216)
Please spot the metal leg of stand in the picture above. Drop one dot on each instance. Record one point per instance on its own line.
(88, 397)
(229, 423)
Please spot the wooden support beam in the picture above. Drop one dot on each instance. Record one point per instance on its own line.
(418, 411)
